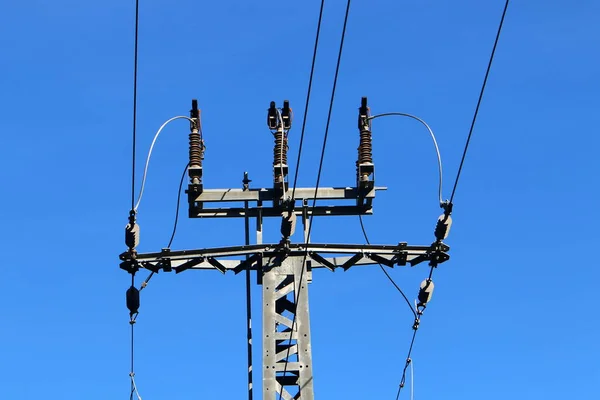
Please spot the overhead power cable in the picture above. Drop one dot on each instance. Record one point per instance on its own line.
(310, 79)
(415, 328)
(487, 73)
(435, 144)
(137, 204)
(145, 283)
(364, 231)
(135, 65)
(132, 212)
(324, 146)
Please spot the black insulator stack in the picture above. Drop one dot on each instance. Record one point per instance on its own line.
(364, 163)
(365, 147)
(196, 146)
(133, 300)
(280, 150)
(195, 149)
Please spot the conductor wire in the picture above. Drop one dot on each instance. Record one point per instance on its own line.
(150, 155)
(487, 73)
(133, 151)
(310, 79)
(435, 144)
(135, 67)
(410, 348)
(299, 284)
(364, 231)
(147, 280)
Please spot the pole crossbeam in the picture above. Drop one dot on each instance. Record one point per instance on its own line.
(362, 199)
(264, 256)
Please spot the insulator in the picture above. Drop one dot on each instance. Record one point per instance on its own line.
(364, 162)
(196, 146)
(442, 227)
(280, 151)
(365, 147)
(425, 292)
(286, 115)
(288, 223)
(133, 299)
(195, 149)
(272, 117)
(132, 235)
(194, 115)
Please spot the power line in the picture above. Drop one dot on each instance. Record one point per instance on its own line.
(310, 79)
(435, 144)
(132, 214)
(415, 328)
(335, 78)
(364, 231)
(144, 176)
(145, 283)
(408, 362)
(418, 318)
(177, 207)
(135, 65)
(487, 72)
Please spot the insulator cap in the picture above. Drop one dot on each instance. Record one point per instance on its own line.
(272, 120)
(288, 223)
(363, 113)
(195, 115)
(425, 292)
(287, 115)
(442, 228)
(132, 235)
(133, 299)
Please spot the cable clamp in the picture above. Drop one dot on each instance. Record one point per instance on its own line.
(416, 325)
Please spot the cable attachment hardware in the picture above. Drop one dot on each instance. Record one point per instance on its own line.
(196, 152)
(132, 240)
(132, 232)
(365, 169)
(403, 380)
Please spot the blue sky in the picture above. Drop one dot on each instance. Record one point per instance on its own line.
(514, 312)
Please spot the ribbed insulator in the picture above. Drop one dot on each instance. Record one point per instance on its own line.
(195, 150)
(365, 147)
(280, 150)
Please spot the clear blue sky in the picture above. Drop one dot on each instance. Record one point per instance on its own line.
(514, 313)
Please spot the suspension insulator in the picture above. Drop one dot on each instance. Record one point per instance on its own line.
(425, 292)
(133, 300)
(288, 223)
(132, 233)
(442, 227)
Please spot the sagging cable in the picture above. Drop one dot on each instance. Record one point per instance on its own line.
(435, 144)
(137, 204)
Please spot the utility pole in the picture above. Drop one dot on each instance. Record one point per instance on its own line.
(284, 269)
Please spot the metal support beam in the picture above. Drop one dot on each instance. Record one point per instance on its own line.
(285, 294)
